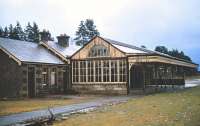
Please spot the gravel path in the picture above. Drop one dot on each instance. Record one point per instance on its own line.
(57, 111)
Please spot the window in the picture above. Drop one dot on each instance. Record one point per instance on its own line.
(53, 76)
(98, 51)
(90, 71)
(82, 71)
(75, 71)
(45, 76)
(99, 71)
(106, 71)
(114, 71)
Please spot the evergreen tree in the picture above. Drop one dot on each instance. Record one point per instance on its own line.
(11, 32)
(143, 46)
(91, 28)
(36, 32)
(1, 32)
(173, 52)
(162, 49)
(86, 31)
(46, 35)
(29, 33)
(18, 33)
(6, 32)
(81, 34)
(32, 32)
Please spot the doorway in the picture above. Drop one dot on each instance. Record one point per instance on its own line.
(136, 77)
(66, 78)
(31, 82)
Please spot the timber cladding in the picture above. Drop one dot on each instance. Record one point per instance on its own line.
(84, 52)
(99, 68)
(160, 59)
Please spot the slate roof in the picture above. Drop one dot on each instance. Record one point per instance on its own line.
(127, 48)
(65, 51)
(29, 51)
(131, 49)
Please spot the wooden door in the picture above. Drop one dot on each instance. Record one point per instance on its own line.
(31, 82)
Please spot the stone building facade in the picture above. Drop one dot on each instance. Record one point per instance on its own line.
(102, 66)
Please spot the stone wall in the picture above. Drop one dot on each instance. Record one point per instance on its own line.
(58, 88)
(108, 89)
(10, 77)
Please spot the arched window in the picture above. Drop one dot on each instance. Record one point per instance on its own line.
(98, 51)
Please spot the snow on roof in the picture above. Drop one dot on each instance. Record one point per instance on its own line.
(29, 51)
(127, 48)
(130, 49)
(65, 51)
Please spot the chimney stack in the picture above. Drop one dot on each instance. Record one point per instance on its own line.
(63, 40)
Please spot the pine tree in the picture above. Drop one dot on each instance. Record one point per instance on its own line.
(81, 34)
(162, 49)
(1, 32)
(173, 52)
(11, 32)
(32, 32)
(86, 31)
(18, 33)
(6, 32)
(46, 35)
(36, 32)
(91, 28)
(29, 33)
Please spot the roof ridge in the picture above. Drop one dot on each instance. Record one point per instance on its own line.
(19, 40)
(128, 45)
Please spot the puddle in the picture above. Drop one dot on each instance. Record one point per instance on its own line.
(192, 83)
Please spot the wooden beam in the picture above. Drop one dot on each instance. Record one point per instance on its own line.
(54, 51)
(160, 59)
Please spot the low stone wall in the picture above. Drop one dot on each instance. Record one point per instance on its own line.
(108, 89)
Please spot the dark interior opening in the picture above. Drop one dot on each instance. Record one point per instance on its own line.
(31, 82)
(136, 77)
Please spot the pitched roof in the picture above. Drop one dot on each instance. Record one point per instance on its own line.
(29, 51)
(126, 47)
(131, 49)
(65, 51)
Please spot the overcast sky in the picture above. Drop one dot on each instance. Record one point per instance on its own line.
(172, 23)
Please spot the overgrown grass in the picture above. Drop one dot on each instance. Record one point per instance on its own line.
(165, 109)
(16, 106)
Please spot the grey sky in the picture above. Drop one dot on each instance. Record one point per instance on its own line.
(172, 23)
